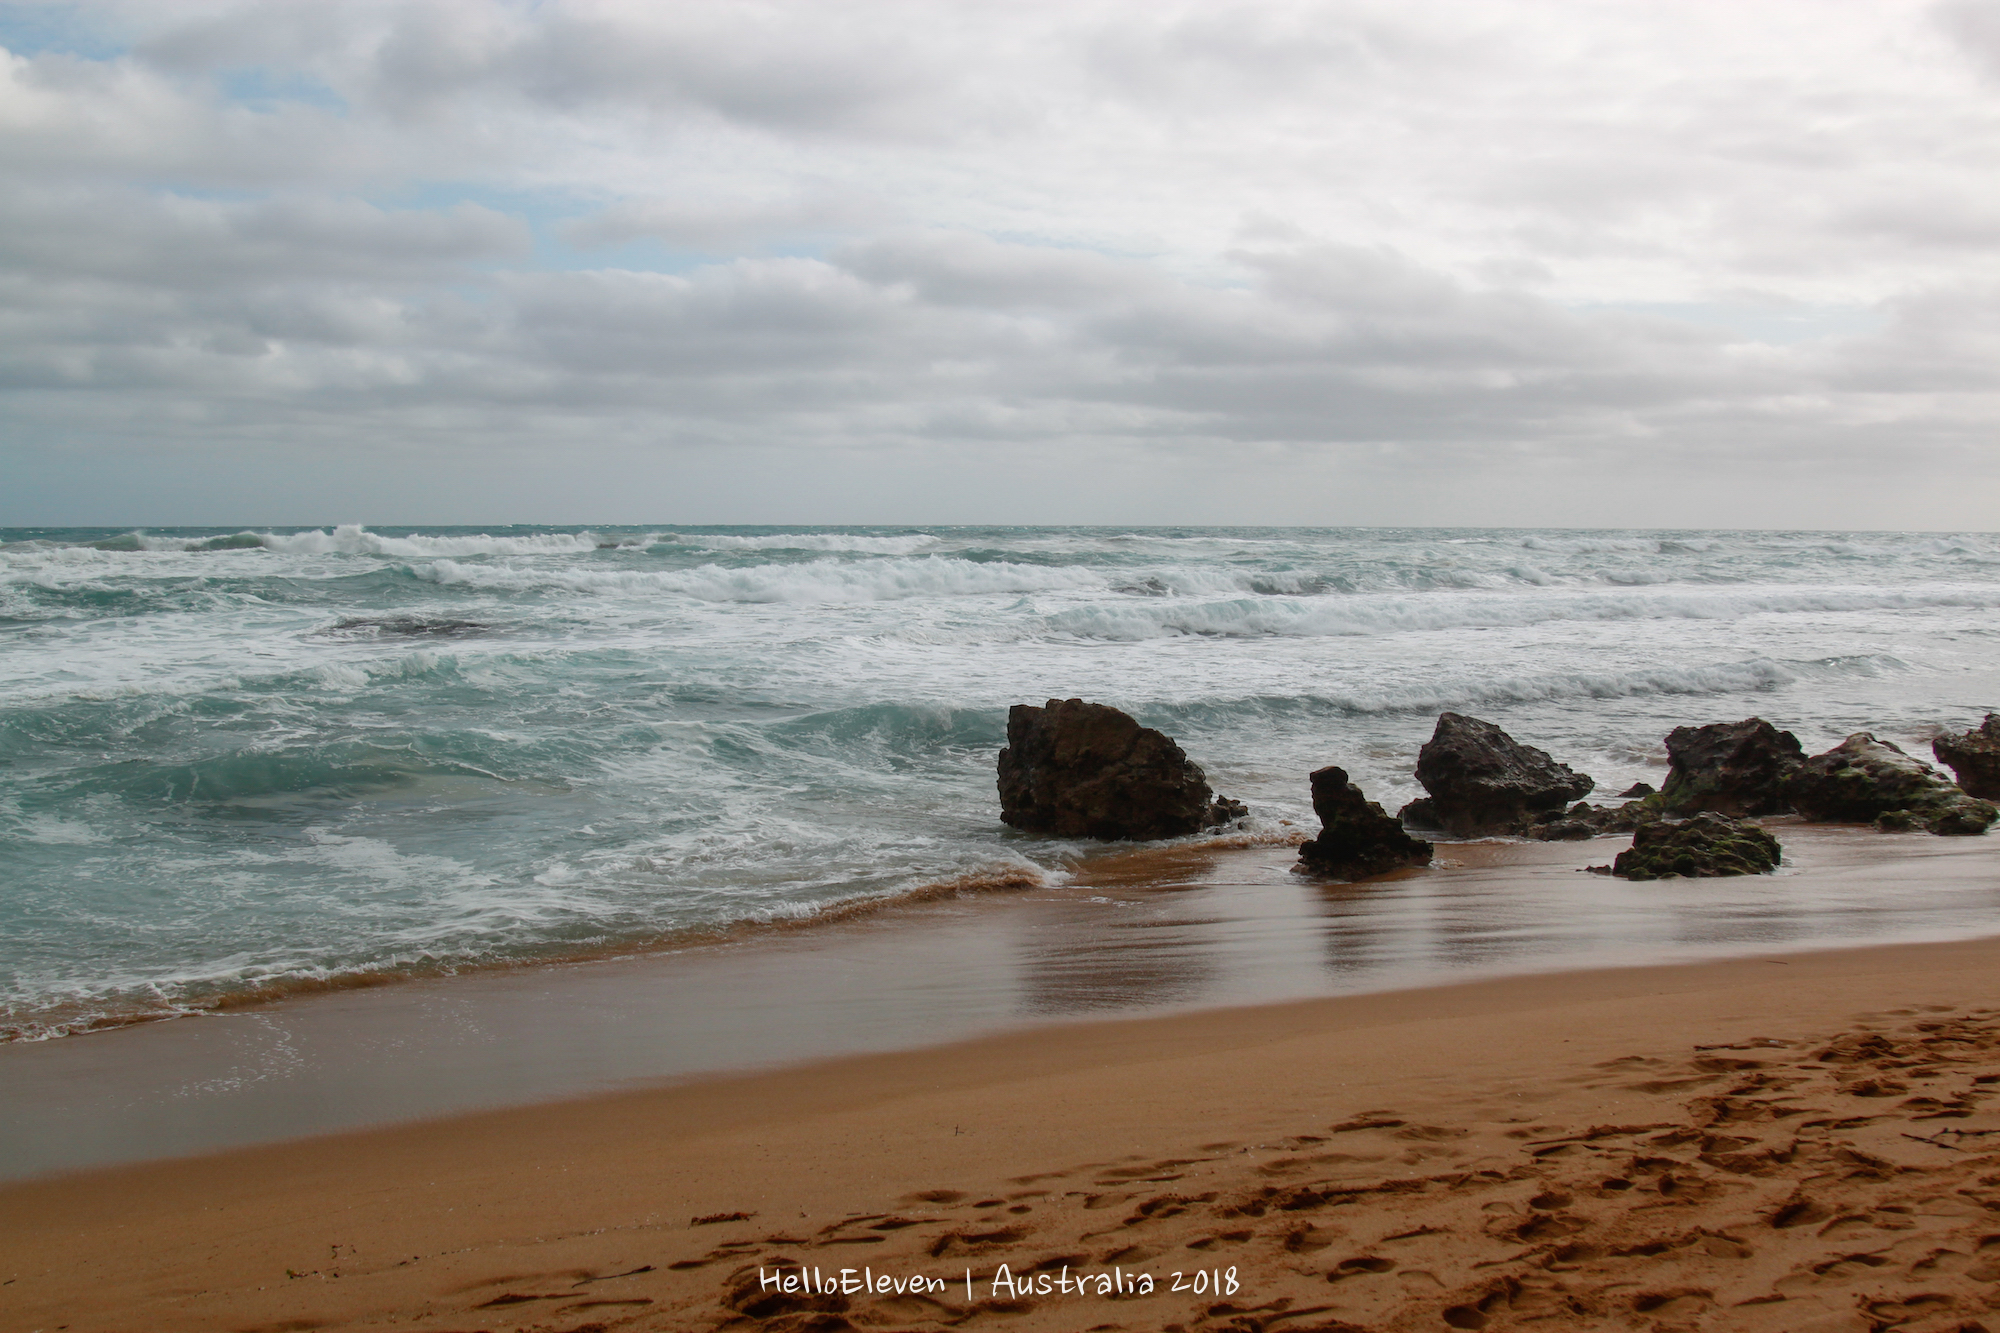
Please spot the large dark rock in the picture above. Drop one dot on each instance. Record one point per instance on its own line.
(1356, 837)
(1482, 781)
(1863, 779)
(1975, 757)
(1733, 768)
(1084, 770)
(1706, 845)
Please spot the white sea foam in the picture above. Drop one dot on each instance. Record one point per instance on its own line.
(353, 539)
(1411, 613)
(811, 581)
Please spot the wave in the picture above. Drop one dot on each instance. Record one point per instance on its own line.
(813, 581)
(895, 728)
(810, 541)
(1374, 614)
(340, 771)
(1749, 676)
(346, 539)
(354, 539)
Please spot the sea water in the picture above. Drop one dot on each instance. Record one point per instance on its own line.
(234, 762)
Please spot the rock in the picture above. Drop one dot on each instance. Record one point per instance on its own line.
(1482, 781)
(1564, 830)
(1637, 789)
(1733, 768)
(1224, 811)
(1863, 780)
(1084, 770)
(1703, 846)
(1975, 757)
(1356, 837)
(1584, 820)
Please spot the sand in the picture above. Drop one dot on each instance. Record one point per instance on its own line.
(1786, 1142)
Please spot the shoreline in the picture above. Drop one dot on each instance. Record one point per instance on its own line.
(1291, 1142)
(1160, 930)
(1089, 865)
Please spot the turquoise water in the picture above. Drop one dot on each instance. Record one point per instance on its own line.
(233, 760)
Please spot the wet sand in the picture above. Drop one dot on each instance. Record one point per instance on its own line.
(1787, 1142)
(1150, 931)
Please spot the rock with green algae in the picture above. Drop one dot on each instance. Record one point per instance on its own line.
(1864, 780)
(1704, 846)
(1584, 820)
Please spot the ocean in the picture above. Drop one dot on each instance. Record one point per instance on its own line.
(241, 762)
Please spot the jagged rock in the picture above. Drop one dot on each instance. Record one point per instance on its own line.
(1637, 789)
(1356, 837)
(1703, 846)
(1975, 757)
(1084, 770)
(1733, 768)
(1862, 780)
(1482, 781)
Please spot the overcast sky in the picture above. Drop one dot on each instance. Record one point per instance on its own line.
(1572, 262)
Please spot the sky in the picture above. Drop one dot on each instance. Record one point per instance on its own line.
(1581, 263)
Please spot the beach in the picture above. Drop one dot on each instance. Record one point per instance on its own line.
(1782, 1141)
(775, 667)
(772, 667)
(565, 930)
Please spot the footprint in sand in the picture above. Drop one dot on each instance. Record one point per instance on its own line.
(1129, 1254)
(1219, 1239)
(1095, 1201)
(1360, 1266)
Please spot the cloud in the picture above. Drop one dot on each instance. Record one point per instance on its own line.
(1976, 29)
(729, 225)
(1519, 255)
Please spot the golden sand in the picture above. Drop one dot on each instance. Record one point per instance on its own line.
(1790, 1143)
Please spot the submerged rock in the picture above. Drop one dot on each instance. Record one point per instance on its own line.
(1975, 757)
(1733, 768)
(1637, 790)
(1482, 781)
(1863, 780)
(1084, 770)
(1704, 846)
(1356, 837)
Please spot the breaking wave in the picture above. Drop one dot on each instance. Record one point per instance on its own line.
(812, 581)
